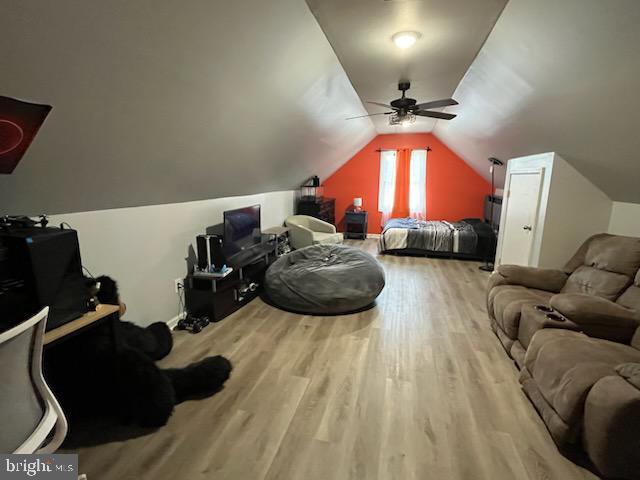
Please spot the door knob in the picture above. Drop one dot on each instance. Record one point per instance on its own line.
(527, 227)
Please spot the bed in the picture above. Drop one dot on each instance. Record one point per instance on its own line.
(469, 238)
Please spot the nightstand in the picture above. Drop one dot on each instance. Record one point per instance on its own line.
(355, 224)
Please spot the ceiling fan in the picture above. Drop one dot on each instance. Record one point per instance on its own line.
(404, 110)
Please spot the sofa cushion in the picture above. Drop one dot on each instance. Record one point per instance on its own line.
(321, 237)
(630, 372)
(593, 281)
(630, 298)
(609, 265)
(565, 365)
(507, 303)
(614, 253)
(635, 341)
(610, 432)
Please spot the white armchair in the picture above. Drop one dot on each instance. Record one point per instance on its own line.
(305, 231)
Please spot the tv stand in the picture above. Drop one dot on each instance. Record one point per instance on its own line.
(219, 297)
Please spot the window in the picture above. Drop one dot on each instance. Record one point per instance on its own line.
(387, 187)
(418, 184)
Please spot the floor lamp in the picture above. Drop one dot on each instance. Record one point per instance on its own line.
(488, 265)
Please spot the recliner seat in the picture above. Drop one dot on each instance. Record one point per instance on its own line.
(580, 367)
(604, 266)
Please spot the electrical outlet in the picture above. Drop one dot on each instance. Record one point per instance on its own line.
(178, 284)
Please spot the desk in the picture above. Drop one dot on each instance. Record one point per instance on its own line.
(103, 312)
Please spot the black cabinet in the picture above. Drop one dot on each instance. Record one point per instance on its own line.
(322, 208)
(220, 297)
(356, 224)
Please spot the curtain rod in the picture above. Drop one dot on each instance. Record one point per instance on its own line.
(428, 149)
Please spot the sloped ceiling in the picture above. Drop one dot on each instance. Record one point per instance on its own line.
(160, 102)
(360, 31)
(558, 76)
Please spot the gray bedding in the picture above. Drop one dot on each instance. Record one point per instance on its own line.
(430, 235)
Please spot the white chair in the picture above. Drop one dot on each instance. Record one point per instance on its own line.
(30, 417)
(305, 230)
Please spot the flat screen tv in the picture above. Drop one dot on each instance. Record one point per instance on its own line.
(241, 229)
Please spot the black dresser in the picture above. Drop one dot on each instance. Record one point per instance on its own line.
(323, 208)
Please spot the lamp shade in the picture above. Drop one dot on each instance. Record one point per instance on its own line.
(357, 202)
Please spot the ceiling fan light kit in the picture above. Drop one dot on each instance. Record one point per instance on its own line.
(405, 39)
(408, 119)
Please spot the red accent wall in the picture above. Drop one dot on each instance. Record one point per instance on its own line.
(454, 189)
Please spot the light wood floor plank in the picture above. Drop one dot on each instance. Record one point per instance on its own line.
(417, 387)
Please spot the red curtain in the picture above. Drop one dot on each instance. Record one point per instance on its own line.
(401, 198)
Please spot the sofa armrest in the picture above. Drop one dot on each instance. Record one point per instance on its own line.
(318, 225)
(597, 317)
(630, 372)
(612, 422)
(531, 277)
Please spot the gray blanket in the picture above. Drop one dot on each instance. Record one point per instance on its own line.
(435, 236)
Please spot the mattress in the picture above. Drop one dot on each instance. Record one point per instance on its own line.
(466, 237)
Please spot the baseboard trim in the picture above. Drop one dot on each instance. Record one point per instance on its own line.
(373, 235)
(173, 322)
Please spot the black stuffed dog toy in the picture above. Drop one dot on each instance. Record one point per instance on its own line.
(91, 376)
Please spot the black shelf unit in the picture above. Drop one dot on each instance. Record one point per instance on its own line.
(218, 298)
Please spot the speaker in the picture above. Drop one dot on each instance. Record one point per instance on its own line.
(46, 262)
(210, 254)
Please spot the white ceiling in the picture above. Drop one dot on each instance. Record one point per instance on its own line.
(558, 76)
(161, 102)
(360, 32)
(157, 103)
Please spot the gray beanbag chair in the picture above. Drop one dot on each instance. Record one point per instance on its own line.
(324, 280)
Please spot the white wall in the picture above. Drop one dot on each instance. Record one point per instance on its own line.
(576, 210)
(536, 86)
(158, 102)
(144, 248)
(625, 219)
(571, 209)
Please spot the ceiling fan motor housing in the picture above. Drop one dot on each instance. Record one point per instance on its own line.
(404, 104)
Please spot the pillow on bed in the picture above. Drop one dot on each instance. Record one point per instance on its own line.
(472, 221)
(483, 229)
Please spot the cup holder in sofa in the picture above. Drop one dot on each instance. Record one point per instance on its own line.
(555, 317)
(544, 308)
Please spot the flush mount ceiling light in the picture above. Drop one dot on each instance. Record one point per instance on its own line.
(405, 39)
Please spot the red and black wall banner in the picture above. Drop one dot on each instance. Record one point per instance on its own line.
(19, 123)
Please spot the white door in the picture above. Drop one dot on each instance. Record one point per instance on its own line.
(523, 199)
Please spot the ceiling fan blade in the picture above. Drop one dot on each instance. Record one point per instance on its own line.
(370, 115)
(380, 104)
(447, 102)
(442, 115)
